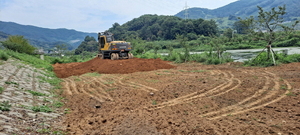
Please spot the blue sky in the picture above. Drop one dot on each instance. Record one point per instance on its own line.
(92, 15)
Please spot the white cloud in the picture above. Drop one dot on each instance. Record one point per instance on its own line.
(91, 15)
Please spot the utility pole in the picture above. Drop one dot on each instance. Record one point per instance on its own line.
(186, 11)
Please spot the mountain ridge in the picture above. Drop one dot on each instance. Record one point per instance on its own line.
(243, 8)
(45, 37)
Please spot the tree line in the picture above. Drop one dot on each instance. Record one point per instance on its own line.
(154, 27)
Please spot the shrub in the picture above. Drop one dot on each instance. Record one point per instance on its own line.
(213, 61)
(149, 55)
(3, 56)
(263, 61)
(198, 58)
(287, 43)
(57, 61)
(18, 44)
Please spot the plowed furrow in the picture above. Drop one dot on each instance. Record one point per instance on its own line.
(66, 86)
(104, 82)
(131, 85)
(230, 89)
(259, 99)
(239, 104)
(118, 82)
(85, 88)
(72, 86)
(196, 95)
(146, 88)
(94, 87)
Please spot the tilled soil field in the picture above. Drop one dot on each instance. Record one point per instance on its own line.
(140, 96)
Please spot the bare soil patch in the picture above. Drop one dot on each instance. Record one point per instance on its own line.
(107, 66)
(188, 98)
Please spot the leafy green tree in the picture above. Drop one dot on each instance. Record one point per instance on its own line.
(268, 26)
(156, 47)
(192, 36)
(183, 42)
(267, 23)
(138, 45)
(18, 44)
(228, 33)
(89, 44)
(217, 44)
(208, 28)
(170, 48)
(240, 27)
(61, 48)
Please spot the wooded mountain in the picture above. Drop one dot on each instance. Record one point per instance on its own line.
(3, 36)
(154, 27)
(243, 8)
(45, 37)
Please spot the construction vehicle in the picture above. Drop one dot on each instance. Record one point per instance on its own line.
(110, 49)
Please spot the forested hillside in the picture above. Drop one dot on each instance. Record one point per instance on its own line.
(154, 27)
(44, 37)
(244, 8)
(3, 36)
(88, 45)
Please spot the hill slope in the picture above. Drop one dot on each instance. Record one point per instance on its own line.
(154, 27)
(243, 8)
(44, 37)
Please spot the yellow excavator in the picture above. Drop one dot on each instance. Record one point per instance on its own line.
(114, 50)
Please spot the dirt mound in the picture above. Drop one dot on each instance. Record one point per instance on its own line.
(107, 66)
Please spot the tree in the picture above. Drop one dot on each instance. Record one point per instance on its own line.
(228, 33)
(240, 27)
(61, 48)
(156, 47)
(89, 44)
(138, 45)
(217, 44)
(268, 26)
(183, 42)
(18, 44)
(208, 28)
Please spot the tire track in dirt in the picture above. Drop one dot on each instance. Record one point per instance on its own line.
(144, 87)
(66, 86)
(70, 86)
(196, 95)
(93, 86)
(132, 85)
(259, 98)
(103, 91)
(81, 89)
(255, 95)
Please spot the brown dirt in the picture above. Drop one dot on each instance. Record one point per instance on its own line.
(189, 98)
(108, 66)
